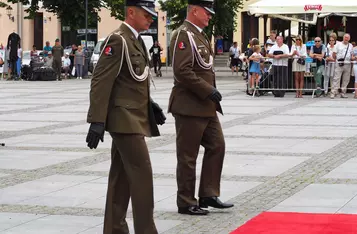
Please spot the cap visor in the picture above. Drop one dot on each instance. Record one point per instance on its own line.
(210, 10)
(150, 10)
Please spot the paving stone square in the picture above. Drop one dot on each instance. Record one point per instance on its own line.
(282, 154)
(17, 107)
(347, 170)
(34, 159)
(44, 117)
(322, 197)
(290, 131)
(9, 126)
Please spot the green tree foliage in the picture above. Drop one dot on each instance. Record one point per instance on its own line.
(71, 12)
(117, 8)
(222, 22)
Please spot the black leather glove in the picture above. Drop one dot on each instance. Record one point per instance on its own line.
(215, 96)
(95, 133)
(159, 115)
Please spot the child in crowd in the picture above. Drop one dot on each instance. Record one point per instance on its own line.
(256, 57)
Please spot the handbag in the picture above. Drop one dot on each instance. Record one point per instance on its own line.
(301, 61)
(341, 61)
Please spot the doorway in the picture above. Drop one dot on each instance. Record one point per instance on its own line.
(38, 31)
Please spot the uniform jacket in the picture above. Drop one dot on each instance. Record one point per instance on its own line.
(193, 84)
(57, 52)
(116, 99)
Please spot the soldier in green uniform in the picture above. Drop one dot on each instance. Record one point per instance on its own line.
(120, 103)
(57, 53)
(193, 102)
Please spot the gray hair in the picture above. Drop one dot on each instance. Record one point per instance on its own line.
(255, 41)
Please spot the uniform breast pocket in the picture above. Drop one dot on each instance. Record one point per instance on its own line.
(204, 53)
(138, 63)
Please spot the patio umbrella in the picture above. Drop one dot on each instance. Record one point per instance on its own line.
(302, 6)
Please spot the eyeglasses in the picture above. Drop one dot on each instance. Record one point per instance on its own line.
(317, 41)
(298, 39)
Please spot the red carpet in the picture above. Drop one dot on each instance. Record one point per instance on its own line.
(299, 223)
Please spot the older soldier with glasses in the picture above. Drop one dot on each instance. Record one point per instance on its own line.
(194, 101)
(120, 103)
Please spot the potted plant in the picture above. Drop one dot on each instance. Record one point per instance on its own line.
(340, 30)
(328, 29)
(334, 27)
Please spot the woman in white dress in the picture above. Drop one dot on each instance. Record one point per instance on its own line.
(299, 54)
(330, 63)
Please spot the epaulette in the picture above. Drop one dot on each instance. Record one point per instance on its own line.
(184, 28)
(118, 33)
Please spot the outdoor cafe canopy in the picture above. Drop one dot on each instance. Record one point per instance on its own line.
(273, 7)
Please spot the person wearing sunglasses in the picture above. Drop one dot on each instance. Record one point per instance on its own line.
(317, 53)
(330, 63)
(299, 67)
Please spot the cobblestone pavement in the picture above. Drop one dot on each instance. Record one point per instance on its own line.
(283, 154)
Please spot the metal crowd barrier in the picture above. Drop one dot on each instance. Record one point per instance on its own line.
(277, 77)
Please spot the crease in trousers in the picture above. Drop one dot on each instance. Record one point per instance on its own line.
(191, 132)
(130, 176)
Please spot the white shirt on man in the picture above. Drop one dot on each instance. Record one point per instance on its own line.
(283, 61)
(66, 62)
(341, 49)
(234, 51)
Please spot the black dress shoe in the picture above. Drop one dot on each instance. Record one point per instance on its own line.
(214, 202)
(192, 210)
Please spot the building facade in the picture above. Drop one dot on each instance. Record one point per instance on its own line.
(47, 27)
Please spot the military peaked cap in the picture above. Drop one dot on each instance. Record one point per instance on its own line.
(147, 5)
(207, 4)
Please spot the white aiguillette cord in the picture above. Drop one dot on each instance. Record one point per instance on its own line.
(198, 57)
(195, 53)
(125, 51)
